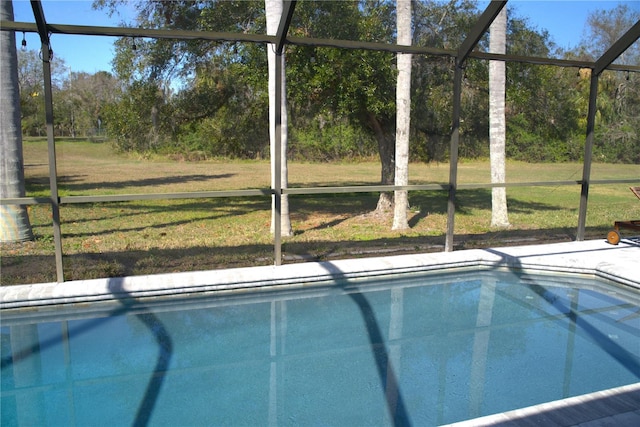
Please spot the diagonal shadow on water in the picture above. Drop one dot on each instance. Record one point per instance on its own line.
(386, 372)
(165, 352)
(147, 318)
(624, 357)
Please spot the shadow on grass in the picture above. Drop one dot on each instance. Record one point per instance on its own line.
(20, 267)
(426, 203)
(431, 201)
(469, 200)
(26, 269)
(125, 217)
(106, 218)
(75, 183)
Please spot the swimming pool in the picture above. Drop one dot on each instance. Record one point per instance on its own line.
(420, 348)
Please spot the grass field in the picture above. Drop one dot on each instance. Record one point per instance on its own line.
(145, 237)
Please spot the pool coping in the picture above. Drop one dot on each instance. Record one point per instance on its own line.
(595, 258)
(613, 407)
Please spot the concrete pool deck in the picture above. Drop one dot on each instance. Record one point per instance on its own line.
(595, 258)
(617, 407)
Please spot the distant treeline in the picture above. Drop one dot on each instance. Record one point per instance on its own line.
(202, 99)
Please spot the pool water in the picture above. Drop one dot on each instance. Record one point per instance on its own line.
(416, 350)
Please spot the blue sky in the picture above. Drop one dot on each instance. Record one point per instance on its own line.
(80, 53)
(563, 19)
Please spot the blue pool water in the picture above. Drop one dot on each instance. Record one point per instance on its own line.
(415, 351)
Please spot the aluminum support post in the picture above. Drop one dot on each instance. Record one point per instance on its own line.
(48, 108)
(588, 149)
(453, 157)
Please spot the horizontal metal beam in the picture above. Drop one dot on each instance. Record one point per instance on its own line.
(539, 60)
(25, 201)
(138, 197)
(85, 30)
(298, 191)
(363, 45)
(165, 196)
(444, 186)
(613, 181)
(300, 41)
(473, 186)
(362, 189)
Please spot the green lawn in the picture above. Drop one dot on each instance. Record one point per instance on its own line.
(112, 239)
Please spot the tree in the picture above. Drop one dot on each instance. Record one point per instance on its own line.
(216, 112)
(497, 120)
(375, 94)
(273, 9)
(446, 25)
(81, 102)
(31, 83)
(542, 106)
(213, 92)
(616, 136)
(161, 61)
(14, 219)
(353, 85)
(403, 115)
(139, 120)
(605, 27)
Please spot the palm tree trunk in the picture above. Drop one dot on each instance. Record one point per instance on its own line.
(403, 114)
(497, 121)
(14, 220)
(273, 10)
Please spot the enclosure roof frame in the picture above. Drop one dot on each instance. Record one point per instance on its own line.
(478, 30)
(283, 27)
(485, 20)
(617, 49)
(41, 22)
